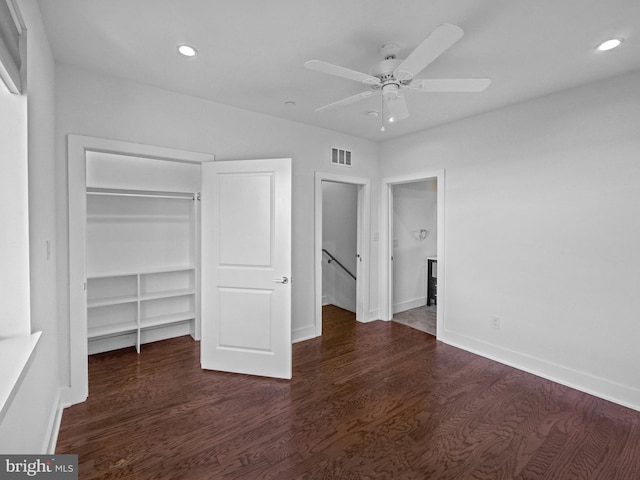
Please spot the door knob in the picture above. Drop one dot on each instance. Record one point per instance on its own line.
(284, 280)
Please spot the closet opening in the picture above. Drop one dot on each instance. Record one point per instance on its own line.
(133, 250)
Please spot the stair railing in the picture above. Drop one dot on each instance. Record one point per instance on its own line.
(334, 259)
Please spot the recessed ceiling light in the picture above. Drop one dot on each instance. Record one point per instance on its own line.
(609, 44)
(372, 113)
(187, 50)
(290, 103)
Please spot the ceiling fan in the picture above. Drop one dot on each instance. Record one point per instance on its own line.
(392, 75)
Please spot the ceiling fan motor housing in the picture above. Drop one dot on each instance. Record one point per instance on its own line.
(384, 69)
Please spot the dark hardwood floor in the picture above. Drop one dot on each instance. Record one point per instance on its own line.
(367, 401)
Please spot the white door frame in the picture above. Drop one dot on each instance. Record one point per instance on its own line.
(364, 227)
(386, 242)
(77, 146)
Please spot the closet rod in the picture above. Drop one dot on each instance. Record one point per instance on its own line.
(176, 195)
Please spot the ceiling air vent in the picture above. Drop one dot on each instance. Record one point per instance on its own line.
(340, 157)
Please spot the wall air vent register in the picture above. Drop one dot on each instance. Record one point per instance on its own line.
(340, 157)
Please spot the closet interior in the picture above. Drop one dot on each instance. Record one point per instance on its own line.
(141, 251)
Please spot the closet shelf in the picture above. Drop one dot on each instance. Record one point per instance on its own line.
(113, 329)
(166, 319)
(148, 293)
(139, 193)
(103, 302)
(167, 294)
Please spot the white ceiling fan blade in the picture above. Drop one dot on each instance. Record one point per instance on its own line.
(348, 100)
(396, 107)
(330, 69)
(443, 37)
(450, 84)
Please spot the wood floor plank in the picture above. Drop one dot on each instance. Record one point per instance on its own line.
(367, 401)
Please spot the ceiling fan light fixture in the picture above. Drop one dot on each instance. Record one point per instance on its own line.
(187, 50)
(390, 91)
(609, 44)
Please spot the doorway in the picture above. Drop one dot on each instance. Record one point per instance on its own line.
(411, 236)
(414, 254)
(339, 244)
(357, 190)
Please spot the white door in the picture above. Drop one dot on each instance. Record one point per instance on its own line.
(246, 267)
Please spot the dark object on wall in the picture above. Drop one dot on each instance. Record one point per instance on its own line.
(432, 282)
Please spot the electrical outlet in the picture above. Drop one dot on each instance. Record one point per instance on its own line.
(495, 322)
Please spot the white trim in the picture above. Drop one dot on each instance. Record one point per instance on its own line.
(154, 152)
(55, 418)
(10, 73)
(16, 16)
(584, 382)
(77, 208)
(303, 333)
(363, 248)
(386, 243)
(409, 304)
(77, 146)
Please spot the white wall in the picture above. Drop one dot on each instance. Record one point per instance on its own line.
(541, 228)
(14, 207)
(340, 237)
(414, 208)
(95, 105)
(29, 424)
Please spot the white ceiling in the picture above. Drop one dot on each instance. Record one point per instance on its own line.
(251, 52)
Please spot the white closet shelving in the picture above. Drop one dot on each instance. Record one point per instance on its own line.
(141, 273)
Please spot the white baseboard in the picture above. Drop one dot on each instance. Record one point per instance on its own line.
(409, 304)
(371, 316)
(625, 395)
(53, 427)
(304, 333)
